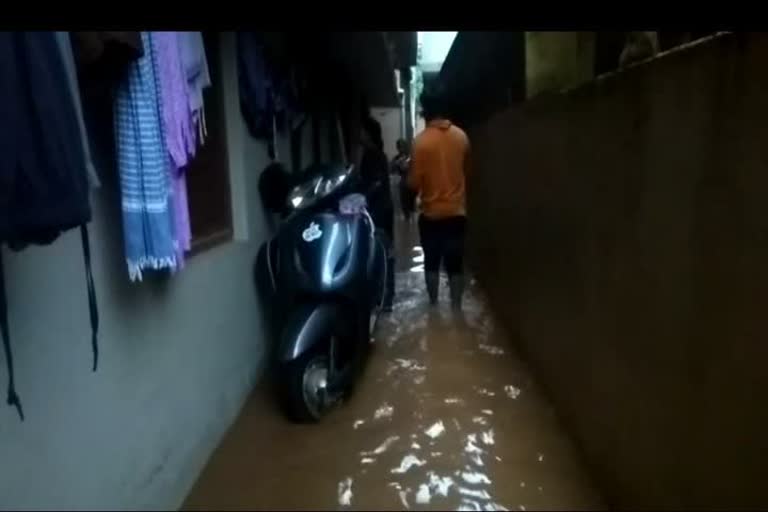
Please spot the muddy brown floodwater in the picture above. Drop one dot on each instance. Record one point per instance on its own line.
(446, 417)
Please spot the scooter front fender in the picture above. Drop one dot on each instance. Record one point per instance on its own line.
(308, 325)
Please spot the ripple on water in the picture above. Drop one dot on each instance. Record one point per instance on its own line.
(407, 463)
(423, 496)
(475, 478)
(471, 446)
(512, 391)
(480, 494)
(491, 349)
(470, 483)
(484, 391)
(383, 446)
(436, 430)
(345, 492)
(384, 411)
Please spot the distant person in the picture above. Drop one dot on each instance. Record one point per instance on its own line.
(374, 171)
(439, 164)
(400, 165)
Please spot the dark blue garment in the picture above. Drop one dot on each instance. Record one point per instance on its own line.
(254, 85)
(43, 181)
(267, 92)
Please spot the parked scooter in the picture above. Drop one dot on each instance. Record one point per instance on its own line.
(322, 279)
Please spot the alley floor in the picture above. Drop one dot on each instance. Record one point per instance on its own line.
(446, 417)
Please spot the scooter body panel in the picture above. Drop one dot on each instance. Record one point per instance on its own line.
(320, 279)
(306, 327)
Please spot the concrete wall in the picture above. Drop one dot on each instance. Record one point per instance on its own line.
(621, 230)
(558, 60)
(391, 120)
(178, 356)
(434, 46)
(420, 125)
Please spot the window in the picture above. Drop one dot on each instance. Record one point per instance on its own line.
(210, 207)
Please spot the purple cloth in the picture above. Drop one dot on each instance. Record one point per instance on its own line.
(181, 211)
(196, 67)
(179, 130)
(177, 119)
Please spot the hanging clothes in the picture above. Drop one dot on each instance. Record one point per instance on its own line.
(44, 187)
(198, 77)
(106, 54)
(268, 89)
(254, 85)
(174, 94)
(179, 131)
(143, 164)
(68, 59)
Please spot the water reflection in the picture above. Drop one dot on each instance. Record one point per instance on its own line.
(407, 463)
(435, 430)
(469, 486)
(437, 422)
(418, 256)
(512, 391)
(345, 492)
(385, 411)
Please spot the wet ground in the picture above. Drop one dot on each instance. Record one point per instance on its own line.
(446, 417)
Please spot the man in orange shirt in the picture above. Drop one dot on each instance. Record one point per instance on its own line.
(439, 164)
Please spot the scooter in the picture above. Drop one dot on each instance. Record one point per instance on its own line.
(322, 280)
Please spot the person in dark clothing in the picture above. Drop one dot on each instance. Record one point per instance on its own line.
(374, 170)
(400, 165)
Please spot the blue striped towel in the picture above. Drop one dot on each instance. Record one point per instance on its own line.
(143, 164)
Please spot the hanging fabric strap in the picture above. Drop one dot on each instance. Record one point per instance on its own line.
(275, 147)
(13, 398)
(94, 310)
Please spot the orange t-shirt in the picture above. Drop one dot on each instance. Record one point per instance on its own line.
(439, 162)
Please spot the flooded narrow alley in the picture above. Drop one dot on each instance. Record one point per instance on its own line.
(445, 417)
(197, 260)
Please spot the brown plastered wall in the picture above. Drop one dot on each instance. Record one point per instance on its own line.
(558, 60)
(621, 231)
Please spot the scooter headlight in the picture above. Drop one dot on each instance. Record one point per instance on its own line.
(316, 188)
(305, 193)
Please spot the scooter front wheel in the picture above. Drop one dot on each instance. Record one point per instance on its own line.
(305, 387)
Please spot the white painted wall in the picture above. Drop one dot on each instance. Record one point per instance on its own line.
(420, 125)
(391, 127)
(434, 48)
(178, 356)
